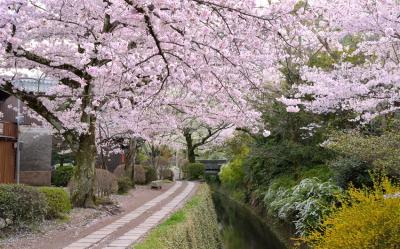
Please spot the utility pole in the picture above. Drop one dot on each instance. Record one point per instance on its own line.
(177, 163)
(19, 120)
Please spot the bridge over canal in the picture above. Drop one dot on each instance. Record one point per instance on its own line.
(212, 167)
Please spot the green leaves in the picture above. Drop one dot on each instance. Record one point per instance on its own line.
(305, 204)
(22, 205)
(381, 152)
(58, 202)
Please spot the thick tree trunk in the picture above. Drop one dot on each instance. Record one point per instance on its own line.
(191, 156)
(154, 154)
(84, 178)
(130, 159)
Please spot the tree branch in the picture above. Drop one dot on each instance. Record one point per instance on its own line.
(35, 104)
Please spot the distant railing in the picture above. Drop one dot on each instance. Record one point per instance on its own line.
(212, 166)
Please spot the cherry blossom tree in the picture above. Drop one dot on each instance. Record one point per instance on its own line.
(362, 39)
(202, 119)
(120, 58)
(198, 135)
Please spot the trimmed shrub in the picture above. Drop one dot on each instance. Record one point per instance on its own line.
(140, 175)
(105, 183)
(367, 219)
(194, 226)
(21, 206)
(168, 174)
(119, 171)
(195, 171)
(124, 184)
(151, 174)
(58, 202)
(62, 175)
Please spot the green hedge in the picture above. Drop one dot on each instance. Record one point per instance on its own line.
(62, 175)
(193, 227)
(21, 206)
(124, 185)
(195, 171)
(58, 202)
(151, 174)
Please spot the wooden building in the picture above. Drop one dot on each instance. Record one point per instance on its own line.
(8, 139)
(35, 153)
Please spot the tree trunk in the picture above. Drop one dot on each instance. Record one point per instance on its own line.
(191, 156)
(130, 159)
(103, 160)
(84, 178)
(154, 154)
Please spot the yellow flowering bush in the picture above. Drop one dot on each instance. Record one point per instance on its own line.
(367, 219)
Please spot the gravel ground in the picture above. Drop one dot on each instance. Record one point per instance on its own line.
(79, 217)
(56, 233)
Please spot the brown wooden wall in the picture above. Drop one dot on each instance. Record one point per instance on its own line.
(8, 135)
(9, 129)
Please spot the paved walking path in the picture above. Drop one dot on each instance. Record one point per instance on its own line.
(110, 235)
(133, 235)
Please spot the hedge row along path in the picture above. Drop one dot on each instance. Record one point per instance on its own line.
(133, 225)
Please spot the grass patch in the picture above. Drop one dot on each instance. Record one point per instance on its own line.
(175, 219)
(194, 226)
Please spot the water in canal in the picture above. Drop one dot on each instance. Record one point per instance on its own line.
(241, 229)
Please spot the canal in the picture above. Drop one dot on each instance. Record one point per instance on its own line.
(241, 228)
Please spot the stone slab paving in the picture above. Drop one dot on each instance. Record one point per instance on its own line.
(97, 236)
(132, 236)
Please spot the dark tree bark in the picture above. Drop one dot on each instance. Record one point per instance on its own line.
(103, 158)
(130, 159)
(84, 178)
(191, 156)
(153, 152)
(191, 145)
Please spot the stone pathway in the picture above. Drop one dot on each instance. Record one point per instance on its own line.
(99, 237)
(133, 235)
